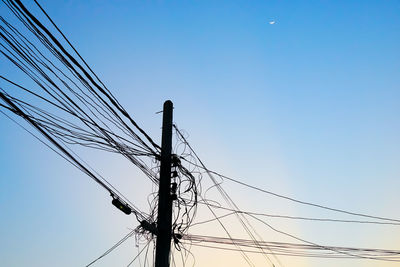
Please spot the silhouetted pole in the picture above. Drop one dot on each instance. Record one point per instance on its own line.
(164, 219)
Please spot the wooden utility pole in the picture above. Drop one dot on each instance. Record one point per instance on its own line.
(164, 219)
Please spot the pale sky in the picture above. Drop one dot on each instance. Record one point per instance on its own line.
(296, 97)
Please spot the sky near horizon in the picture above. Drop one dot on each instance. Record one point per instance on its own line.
(307, 106)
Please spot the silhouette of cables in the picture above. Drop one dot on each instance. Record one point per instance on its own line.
(246, 225)
(336, 252)
(70, 157)
(185, 191)
(280, 216)
(97, 88)
(256, 243)
(186, 153)
(70, 106)
(68, 100)
(146, 248)
(116, 245)
(395, 221)
(295, 249)
(201, 166)
(65, 101)
(65, 104)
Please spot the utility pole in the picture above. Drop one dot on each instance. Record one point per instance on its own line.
(164, 219)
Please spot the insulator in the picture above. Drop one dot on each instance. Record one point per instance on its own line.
(175, 160)
(176, 237)
(121, 206)
(174, 186)
(151, 227)
(179, 236)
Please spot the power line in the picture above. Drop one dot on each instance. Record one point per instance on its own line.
(243, 220)
(27, 59)
(295, 249)
(217, 185)
(116, 245)
(140, 252)
(286, 197)
(297, 217)
(63, 150)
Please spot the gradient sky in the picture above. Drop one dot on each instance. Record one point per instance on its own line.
(307, 107)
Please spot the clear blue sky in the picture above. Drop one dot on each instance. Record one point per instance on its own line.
(307, 107)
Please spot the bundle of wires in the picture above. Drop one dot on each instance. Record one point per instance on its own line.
(68, 104)
(293, 249)
(256, 243)
(65, 101)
